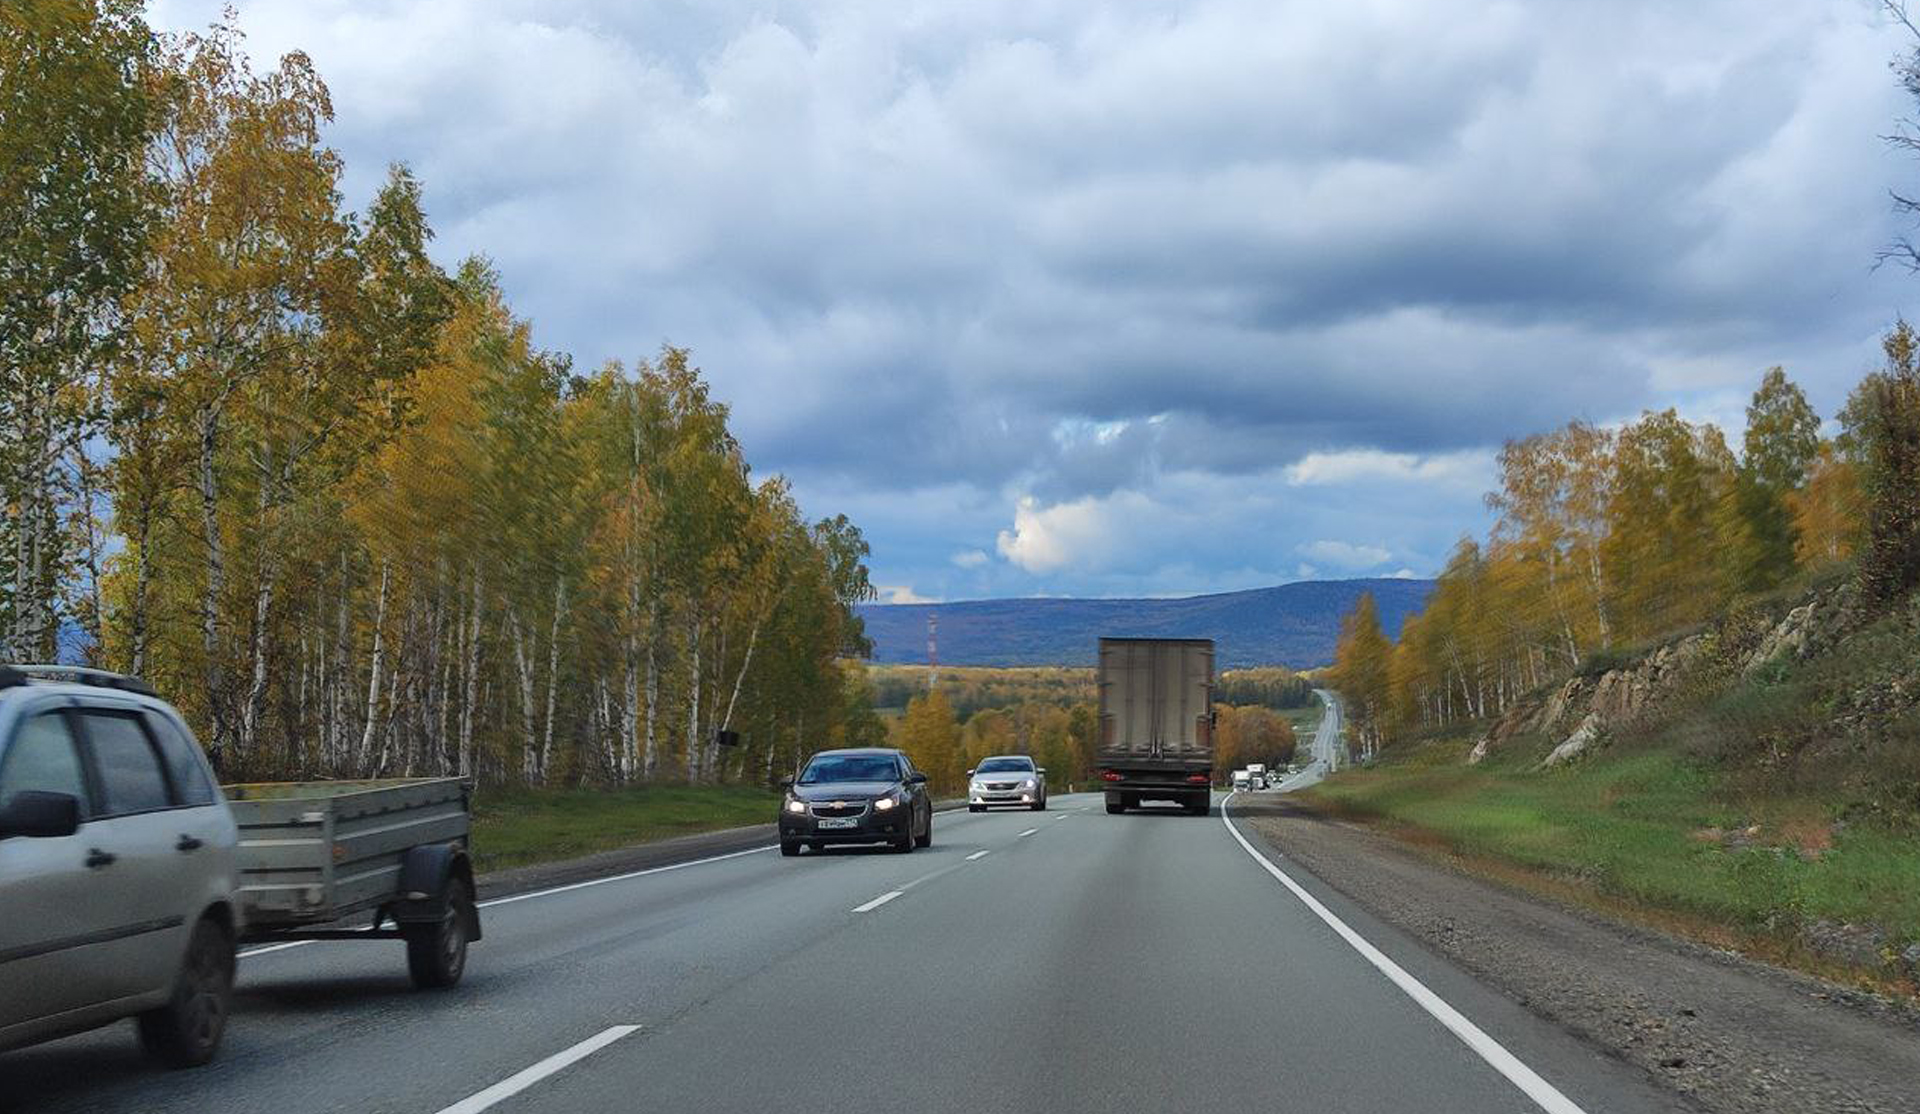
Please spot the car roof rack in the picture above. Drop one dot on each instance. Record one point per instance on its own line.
(13, 675)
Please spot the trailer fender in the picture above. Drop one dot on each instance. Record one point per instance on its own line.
(425, 875)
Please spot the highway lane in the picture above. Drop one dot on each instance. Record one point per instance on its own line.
(1323, 750)
(1067, 960)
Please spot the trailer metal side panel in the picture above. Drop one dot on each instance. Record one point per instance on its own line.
(1156, 700)
(312, 852)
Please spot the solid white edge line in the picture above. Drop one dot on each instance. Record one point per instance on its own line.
(878, 901)
(1544, 1095)
(978, 855)
(521, 1080)
(530, 895)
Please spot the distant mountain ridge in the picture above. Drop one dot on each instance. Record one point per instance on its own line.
(1295, 624)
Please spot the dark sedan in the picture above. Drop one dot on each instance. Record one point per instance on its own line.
(872, 795)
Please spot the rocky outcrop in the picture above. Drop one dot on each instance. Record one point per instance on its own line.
(1575, 744)
(1582, 711)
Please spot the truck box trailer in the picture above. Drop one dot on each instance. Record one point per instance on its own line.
(1156, 722)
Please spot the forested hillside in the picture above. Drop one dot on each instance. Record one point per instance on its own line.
(1687, 679)
(1611, 541)
(1292, 624)
(333, 500)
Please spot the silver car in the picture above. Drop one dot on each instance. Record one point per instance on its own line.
(117, 867)
(1007, 779)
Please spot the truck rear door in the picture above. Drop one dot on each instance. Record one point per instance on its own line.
(1155, 699)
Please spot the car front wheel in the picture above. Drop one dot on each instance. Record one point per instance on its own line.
(925, 838)
(185, 1032)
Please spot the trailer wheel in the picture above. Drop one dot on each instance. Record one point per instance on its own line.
(1200, 804)
(437, 952)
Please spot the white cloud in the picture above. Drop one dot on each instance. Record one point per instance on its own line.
(1402, 574)
(901, 593)
(1472, 468)
(1345, 555)
(969, 559)
(1047, 539)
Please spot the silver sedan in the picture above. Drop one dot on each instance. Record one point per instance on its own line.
(1007, 779)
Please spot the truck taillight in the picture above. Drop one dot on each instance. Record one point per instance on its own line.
(1198, 779)
(1109, 775)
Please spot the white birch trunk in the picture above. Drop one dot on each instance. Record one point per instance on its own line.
(379, 662)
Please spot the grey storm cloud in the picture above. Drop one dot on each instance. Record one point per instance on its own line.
(1054, 282)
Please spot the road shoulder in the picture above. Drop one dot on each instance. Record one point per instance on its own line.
(1727, 1033)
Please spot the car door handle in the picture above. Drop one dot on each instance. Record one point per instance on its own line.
(188, 843)
(97, 858)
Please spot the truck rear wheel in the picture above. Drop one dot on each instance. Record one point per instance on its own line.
(437, 952)
(1115, 804)
(1200, 804)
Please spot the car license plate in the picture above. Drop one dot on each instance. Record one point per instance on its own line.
(839, 821)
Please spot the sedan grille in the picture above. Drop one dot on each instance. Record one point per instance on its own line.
(839, 808)
(1002, 786)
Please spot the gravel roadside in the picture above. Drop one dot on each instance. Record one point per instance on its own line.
(1731, 1034)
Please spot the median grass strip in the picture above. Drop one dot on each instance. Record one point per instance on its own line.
(1662, 832)
(518, 827)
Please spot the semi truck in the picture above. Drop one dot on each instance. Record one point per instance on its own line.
(1156, 722)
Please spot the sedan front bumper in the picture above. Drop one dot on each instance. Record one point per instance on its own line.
(869, 827)
(987, 797)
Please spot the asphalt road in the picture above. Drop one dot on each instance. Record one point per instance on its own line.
(1323, 750)
(1060, 961)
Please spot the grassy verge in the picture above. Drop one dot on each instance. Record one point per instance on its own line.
(1665, 836)
(1304, 721)
(514, 828)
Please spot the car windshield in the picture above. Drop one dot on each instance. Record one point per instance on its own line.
(1005, 766)
(850, 767)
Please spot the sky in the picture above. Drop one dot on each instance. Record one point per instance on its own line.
(1156, 299)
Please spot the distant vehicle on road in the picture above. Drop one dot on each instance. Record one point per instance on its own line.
(1256, 781)
(118, 867)
(868, 795)
(1241, 779)
(1007, 779)
(1156, 722)
(313, 853)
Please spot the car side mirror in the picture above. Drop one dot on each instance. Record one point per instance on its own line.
(969, 773)
(786, 783)
(1039, 769)
(37, 815)
(916, 779)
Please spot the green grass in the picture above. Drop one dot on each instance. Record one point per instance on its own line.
(1648, 826)
(1304, 721)
(514, 828)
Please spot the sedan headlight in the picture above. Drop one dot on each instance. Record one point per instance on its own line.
(884, 803)
(1027, 784)
(797, 807)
